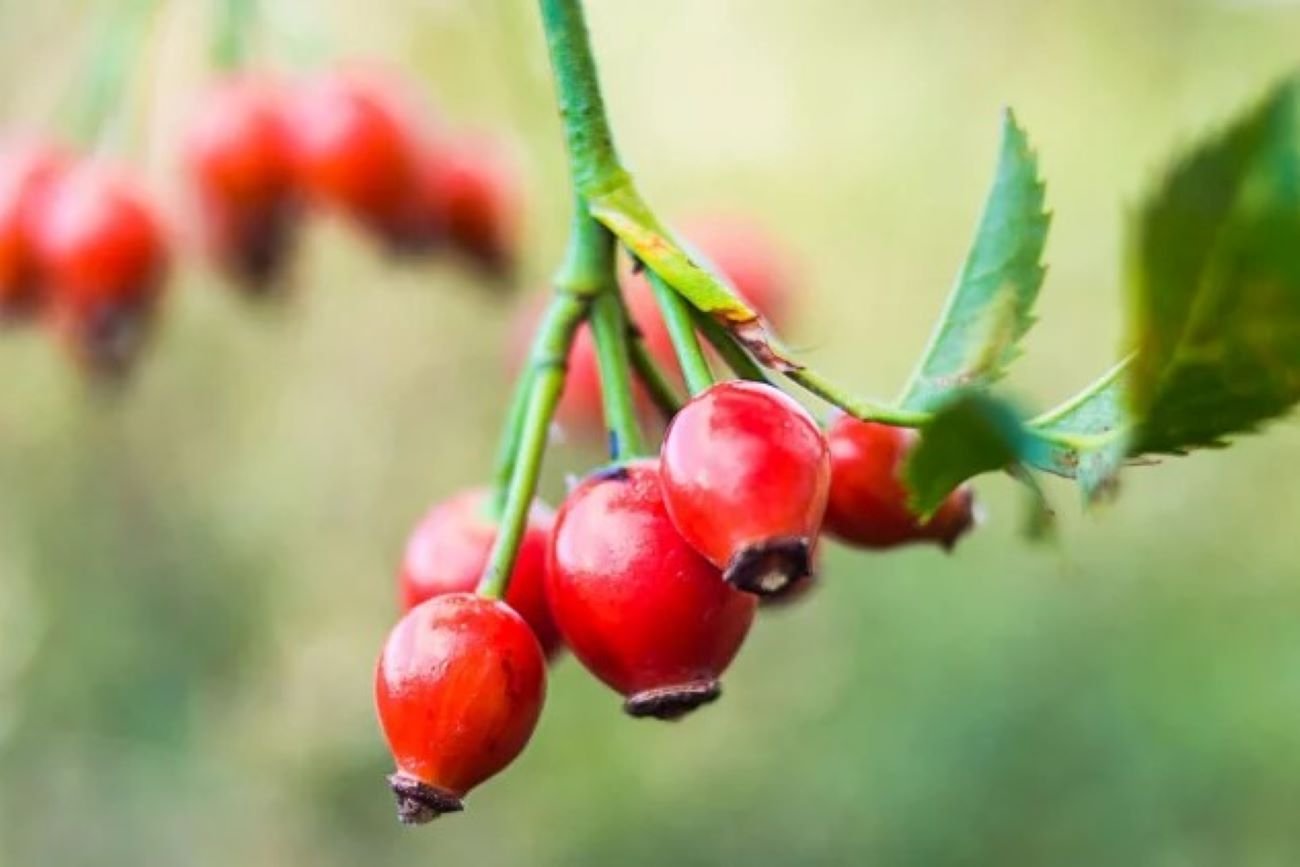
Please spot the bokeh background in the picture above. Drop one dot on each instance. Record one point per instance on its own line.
(196, 575)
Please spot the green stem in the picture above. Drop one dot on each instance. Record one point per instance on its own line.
(108, 71)
(545, 377)
(610, 331)
(587, 269)
(652, 376)
(508, 446)
(231, 40)
(735, 356)
(593, 159)
(865, 410)
(676, 312)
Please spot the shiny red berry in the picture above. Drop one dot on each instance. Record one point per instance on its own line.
(473, 191)
(868, 500)
(239, 158)
(449, 550)
(358, 150)
(745, 473)
(27, 169)
(638, 606)
(458, 690)
(103, 254)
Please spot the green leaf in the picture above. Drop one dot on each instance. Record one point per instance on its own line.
(1214, 286)
(972, 433)
(990, 307)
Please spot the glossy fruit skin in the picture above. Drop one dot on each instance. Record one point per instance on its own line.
(103, 253)
(27, 169)
(357, 149)
(868, 500)
(449, 549)
(746, 472)
(473, 196)
(239, 158)
(637, 605)
(458, 689)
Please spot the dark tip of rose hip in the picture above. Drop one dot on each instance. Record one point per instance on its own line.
(771, 567)
(419, 803)
(672, 702)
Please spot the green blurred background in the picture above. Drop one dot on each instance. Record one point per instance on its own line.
(195, 578)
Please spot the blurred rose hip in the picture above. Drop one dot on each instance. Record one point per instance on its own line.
(27, 169)
(101, 249)
(473, 198)
(239, 157)
(357, 148)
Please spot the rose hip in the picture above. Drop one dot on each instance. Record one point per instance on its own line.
(357, 149)
(638, 606)
(458, 690)
(473, 198)
(868, 500)
(240, 163)
(101, 248)
(27, 169)
(449, 550)
(746, 473)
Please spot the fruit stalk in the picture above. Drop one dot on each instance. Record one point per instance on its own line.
(585, 271)
(106, 75)
(609, 327)
(230, 45)
(681, 329)
(662, 392)
(593, 159)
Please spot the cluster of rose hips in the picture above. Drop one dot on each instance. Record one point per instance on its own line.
(650, 573)
(349, 143)
(84, 248)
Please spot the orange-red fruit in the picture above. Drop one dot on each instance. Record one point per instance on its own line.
(27, 168)
(746, 471)
(449, 550)
(358, 150)
(458, 689)
(636, 605)
(103, 254)
(239, 158)
(473, 195)
(868, 500)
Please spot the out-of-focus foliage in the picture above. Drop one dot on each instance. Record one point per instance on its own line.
(194, 580)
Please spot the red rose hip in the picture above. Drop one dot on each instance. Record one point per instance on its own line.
(27, 170)
(458, 689)
(473, 196)
(101, 249)
(240, 163)
(868, 500)
(357, 150)
(745, 473)
(449, 550)
(637, 605)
